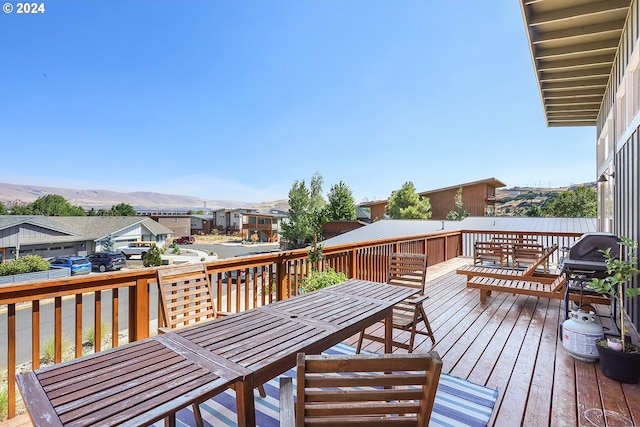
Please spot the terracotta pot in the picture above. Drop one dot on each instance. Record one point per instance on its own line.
(618, 365)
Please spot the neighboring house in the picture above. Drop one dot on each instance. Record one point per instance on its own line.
(50, 236)
(201, 224)
(246, 222)
(179, 224)
(478, 198)
(221, 219)
(587, 75)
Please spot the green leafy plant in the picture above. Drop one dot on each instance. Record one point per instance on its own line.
(321, 279)
(620, 271)
(152, 258)
(25, 264)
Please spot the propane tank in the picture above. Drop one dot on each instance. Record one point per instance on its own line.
(579, 335)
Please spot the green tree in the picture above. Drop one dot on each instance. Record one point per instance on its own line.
(577, 203)
(3, 209)
(533, 210)
(341, 205)
(21, 210)
(405, 203)
(459, 212)
(306, 213)
(152, 258)
(54, 205)
(122, 209)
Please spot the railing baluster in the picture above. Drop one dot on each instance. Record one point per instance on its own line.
(97, 321)
(78, 335)
(57, 337)
(11, 359)
(114, 318)
(35, 334)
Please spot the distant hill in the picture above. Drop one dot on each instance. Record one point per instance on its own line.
(516, 200)
(12, 194)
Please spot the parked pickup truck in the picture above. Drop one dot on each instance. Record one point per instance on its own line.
(136, 249)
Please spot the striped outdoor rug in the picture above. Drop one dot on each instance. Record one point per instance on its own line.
(458, 403)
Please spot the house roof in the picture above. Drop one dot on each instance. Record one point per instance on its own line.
(83, 227)
(489, 181)
(492, 182)
(390, 228)
(573, 45)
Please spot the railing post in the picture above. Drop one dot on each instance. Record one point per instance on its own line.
(139, 310)
(352, 260)
(281, 274)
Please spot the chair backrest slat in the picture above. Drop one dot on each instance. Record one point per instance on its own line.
(407, 270)
(379, 389)
(185, 295)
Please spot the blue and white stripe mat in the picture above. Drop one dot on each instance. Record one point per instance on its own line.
(458, 403)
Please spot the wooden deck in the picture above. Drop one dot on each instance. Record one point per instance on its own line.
(512, 342)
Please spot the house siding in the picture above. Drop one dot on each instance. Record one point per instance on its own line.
(618, 146)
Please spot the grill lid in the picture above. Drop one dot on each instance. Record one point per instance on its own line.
(588, 247)
(585, 253)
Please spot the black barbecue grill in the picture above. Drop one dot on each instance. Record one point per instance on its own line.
(585, 262)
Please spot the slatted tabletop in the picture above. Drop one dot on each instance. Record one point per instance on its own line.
(132, 385)
(266, 340)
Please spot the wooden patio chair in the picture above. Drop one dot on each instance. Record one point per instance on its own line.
(372, 390)
(186, 297)
(406, 270)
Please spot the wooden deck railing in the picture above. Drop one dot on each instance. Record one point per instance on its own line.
(53, 312)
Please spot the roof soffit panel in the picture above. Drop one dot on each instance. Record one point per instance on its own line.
(573, 44)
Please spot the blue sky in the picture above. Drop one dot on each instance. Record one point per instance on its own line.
(236, 100)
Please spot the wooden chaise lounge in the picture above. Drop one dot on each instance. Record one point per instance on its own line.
(532, 285)
(509, 273)
(536, 286)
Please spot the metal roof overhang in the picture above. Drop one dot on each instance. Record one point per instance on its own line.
(573, 44)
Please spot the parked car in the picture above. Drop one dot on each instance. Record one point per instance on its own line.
(77, 264)
(136, 248)
(185, 240)
(104, 261)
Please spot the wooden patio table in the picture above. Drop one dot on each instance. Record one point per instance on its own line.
(263, 342)
(132, 385)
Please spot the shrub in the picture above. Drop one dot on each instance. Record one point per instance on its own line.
(25, 264)
(152, 258)
(322, 279)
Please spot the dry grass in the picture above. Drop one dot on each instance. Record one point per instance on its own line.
(216, 238)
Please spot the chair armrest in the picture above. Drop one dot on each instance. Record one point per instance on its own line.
(287, 415)
(417, 300)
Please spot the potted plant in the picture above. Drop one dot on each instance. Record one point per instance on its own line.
(619, 359)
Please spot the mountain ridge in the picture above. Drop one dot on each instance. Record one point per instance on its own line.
(15, 194)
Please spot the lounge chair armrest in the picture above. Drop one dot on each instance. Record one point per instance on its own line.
(287, 414)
